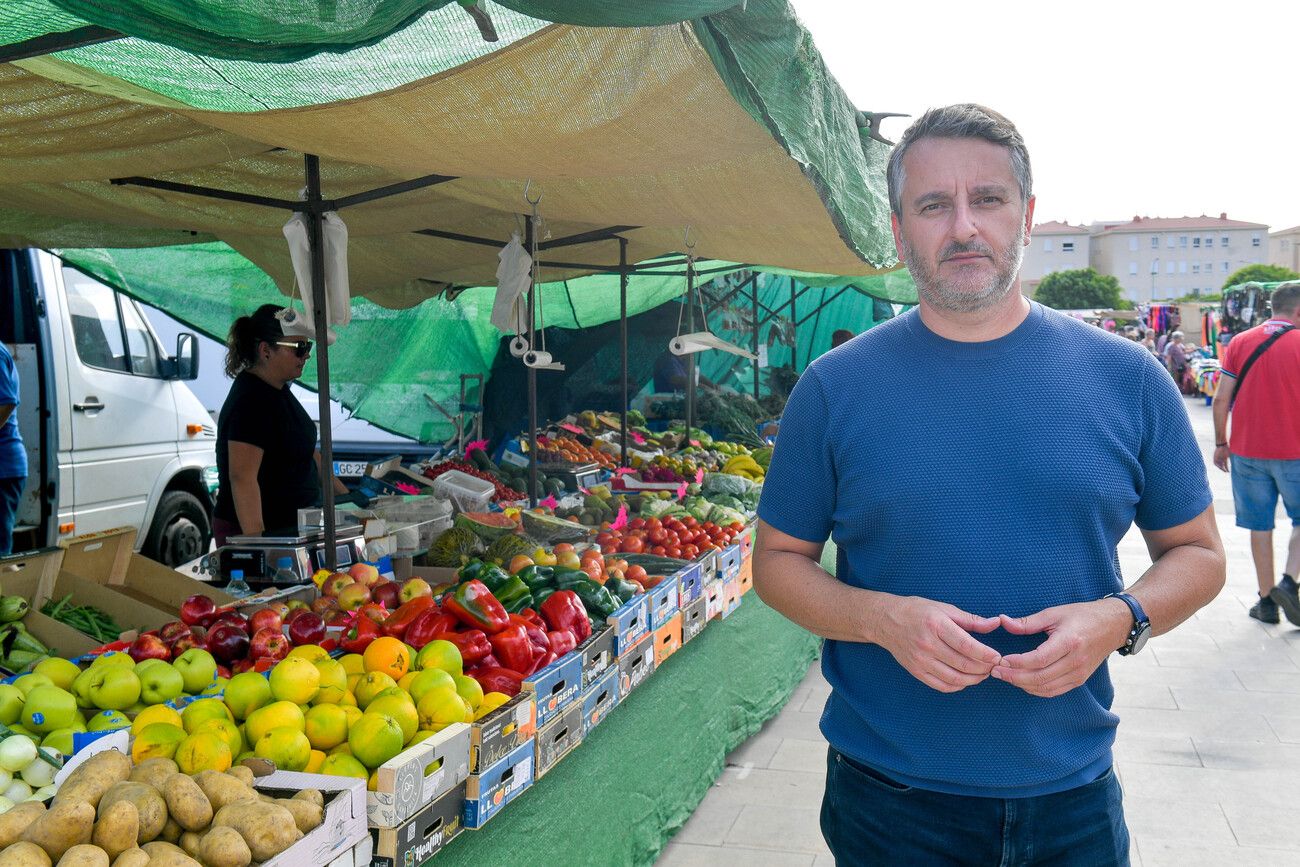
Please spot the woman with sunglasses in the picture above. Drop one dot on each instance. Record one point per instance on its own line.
(267, 463)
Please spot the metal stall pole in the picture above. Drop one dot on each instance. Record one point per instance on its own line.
(794, 326)
(622, 337)
(690, 363)
(753, 298)
(532, 371)
(320, 321)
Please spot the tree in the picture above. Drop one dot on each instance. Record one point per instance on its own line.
(1079, 290)
(1260, 274)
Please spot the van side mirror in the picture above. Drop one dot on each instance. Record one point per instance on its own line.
(185, 366)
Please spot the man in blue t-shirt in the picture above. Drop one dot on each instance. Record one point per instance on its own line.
(13, 458)
(976, 460)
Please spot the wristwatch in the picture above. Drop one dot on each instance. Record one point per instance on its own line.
(1141, 631)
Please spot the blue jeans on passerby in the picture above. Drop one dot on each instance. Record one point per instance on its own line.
(869, 819)
(10, 491)
(1256, 485)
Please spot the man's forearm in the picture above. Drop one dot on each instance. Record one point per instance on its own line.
(1219, 411)
(802, 591)
(1179, 583)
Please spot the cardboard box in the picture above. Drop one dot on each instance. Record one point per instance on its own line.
(690, 583)
(359, 855)
(731, 596)
(708, 566)
(635, 666)
(662, 602)
(631, 623)
(502, 732)
(404, 785)
(668, 639)
(557, 739)
(746, 540)
(403, 568)
(420, 837)
(32, 575)
(729, 562)
(597, 655)
(694, 618)
(715, 599)
(746, 576)
(599, 700)
(487, 794)
(556, 687)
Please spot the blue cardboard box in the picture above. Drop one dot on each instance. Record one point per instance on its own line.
(487, 794)
(557, 686)
(631, 623)
(599, 699)
(729, 562)
(663, 602)
(690, 584)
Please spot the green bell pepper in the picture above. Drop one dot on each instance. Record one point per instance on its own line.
(537, 577)
(622, 589)
(597, 600)
(513, 594)
(494, 577)
(566, 578)
(471, 571)
(540, 595)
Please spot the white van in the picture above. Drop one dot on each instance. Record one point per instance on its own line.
(114, 437)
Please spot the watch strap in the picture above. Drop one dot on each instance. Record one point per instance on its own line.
(1141, 623)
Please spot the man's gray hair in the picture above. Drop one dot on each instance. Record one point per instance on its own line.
(1286, 298)
(964, 120)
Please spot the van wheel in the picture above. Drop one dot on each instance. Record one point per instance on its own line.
(181, 531)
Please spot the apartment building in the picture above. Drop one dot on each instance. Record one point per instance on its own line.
(1284, 248)
(1054, 246)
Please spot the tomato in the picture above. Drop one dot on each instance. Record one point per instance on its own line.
(632, 545)
(657, 535)
(689, 521)
(592, 555)
(619, 564)
(709, 527)
(562, 547)
(673, 551)
(610, 548)
(653, 524)
(637, 523)
(604, 539)
(636, 573)
(736, 526)
(699, 538)
(690, 552)
(659, 551)
(595, 571)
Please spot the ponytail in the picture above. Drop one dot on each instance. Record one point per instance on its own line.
(245, 334)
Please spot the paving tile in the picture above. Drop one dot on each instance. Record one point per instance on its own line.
(689, 855)
(1172, 853)
(1136, 748)
(756, 752)
(1154, 696)
(1229, 660)
(1230, 755)
(1226, 724)
(1185, 820)
(814, 703)
(708, 825)
(794, 724)
(742, 786)
(796, 754)
(1127, 678)
(1269, 681)
(1254, 826)
(791, 829)
(1193, 698)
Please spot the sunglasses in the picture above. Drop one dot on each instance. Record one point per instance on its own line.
(300, 348)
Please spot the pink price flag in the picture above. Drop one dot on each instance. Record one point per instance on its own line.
(477, 445)
(699, 476)
(549, 502)
(621, 521)
(637, 438)
(624, 471)
(571, 428)
(681, 490)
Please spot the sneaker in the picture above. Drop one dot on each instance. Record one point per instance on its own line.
(1265, 610)
(1285, 595)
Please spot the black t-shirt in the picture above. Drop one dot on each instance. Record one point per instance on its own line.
(273, 420)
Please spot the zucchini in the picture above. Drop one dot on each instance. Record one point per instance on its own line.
(654, 565)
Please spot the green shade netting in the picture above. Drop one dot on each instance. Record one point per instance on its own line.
(387, 361)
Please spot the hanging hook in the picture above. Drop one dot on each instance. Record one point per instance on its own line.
(686, 238)
(527, 186)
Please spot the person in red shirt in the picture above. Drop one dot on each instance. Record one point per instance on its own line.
(1264, 446)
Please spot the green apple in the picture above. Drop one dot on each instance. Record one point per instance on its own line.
(61, 740)
(28, 682)
(61, 671)
(145, 664)
(246, 693)
(107, 720)
(81, 687)
(48, 708)
(114, 687)
(160, 683)
(197, 668)
(218, 688)
(11, 703)
(114, 658)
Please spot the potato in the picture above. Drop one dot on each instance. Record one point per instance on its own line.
(265, 798)
(84, 855)
(222, 789)
(268, 829)
(132, 858)
(15, 822)
(24, 855)
(150, 804)
(168, 855)
(171, 832)
(223, 847)
(190, 842)
(186, 802)
(59, 829)
(118, 829)
(154, 771)
(312, 796)
(306, 815)
(93, 777)
(243, 773)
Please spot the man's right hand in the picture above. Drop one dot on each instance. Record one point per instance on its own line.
(1221, 457)
(932, 640)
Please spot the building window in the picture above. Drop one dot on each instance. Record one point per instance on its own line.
(1196, 241)
(1182, 241)
(1223, 242)
(1155, 242)
(1171, 243)
(1133, 244)
(1196, 267)
(1225, 267)
(1047, 245)
(1067, 246)
(1182, 267)
(1169, 267)
(1132, 267)
(1209, 241)
(1254, 240)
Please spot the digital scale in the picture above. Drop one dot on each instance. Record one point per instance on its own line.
(575, 476)
(257, 556)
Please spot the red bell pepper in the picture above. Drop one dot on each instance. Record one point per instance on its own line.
(406, 614)
(472, 644)
(501, 680)
(564, 610)
(374, 611)
(513, 647)
(427, 624)
(528, 615)
(540, 662)
(562, 641)
(359, 635)
(473, 604)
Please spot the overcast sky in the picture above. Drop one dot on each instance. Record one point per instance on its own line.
(1153, 108)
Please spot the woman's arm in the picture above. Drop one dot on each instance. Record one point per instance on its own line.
(245, 460)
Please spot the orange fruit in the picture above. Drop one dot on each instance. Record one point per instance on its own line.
(389, 656)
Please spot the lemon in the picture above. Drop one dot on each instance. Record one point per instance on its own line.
(287, 747)
(157, 740)
(157, 713)
(280, 714)
(353, 663)
(441, 707)
(333, 681)
(310, 652)
(400, 708)
(246, 693)
(295, 679)
(203, 710)
(469, 689)
(226, 730)
(343, 765)
(370, 686)
(430, 678)
(326, 726)
(375, 739)
(315, 763)
(203, 751)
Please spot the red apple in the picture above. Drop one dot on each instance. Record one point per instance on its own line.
(227, 642)
(387, 594)
(149, 647)
(280, 608)
(414, 588)
(270, 643)
(307, 628)
(241, 666)
(353, 596)
(295, 604)
(335, 583)
(229, 615)
(338, 617)
(196, 608)
(364, 573)
(172, 631)
(322, 605)
(264, 664)
(296, 613)
(265, 619)
(184, 643)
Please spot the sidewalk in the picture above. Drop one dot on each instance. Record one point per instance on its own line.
(1208, 750)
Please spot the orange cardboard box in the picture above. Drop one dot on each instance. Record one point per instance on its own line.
(746, 576)
(668, 639)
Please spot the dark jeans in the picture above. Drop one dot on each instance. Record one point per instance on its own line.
(869, 819)
(11, 489)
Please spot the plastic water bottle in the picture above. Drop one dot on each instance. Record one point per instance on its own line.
(238, 586)
(284, 574)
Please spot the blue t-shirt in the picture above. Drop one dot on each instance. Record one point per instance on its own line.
(997, 477)
(13, 457)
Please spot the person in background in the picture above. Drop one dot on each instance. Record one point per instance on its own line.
(977, 597)
(267, 463)
(1261, 446)
(670, 374)
(841, 337)
(13, 457)
(1176, 356)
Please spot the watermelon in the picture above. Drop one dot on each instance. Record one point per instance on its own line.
(549, 529)
(488, 526)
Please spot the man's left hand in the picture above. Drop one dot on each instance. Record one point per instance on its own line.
(1079, 638)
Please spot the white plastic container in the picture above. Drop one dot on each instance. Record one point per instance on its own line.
(467, 494)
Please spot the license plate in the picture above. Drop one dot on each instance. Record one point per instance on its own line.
(349, 469)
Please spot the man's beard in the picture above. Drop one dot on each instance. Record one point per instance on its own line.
(946, 296)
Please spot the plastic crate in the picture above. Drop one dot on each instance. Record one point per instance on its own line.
(467, 494)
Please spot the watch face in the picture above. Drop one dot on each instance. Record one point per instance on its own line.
(1140, 640)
